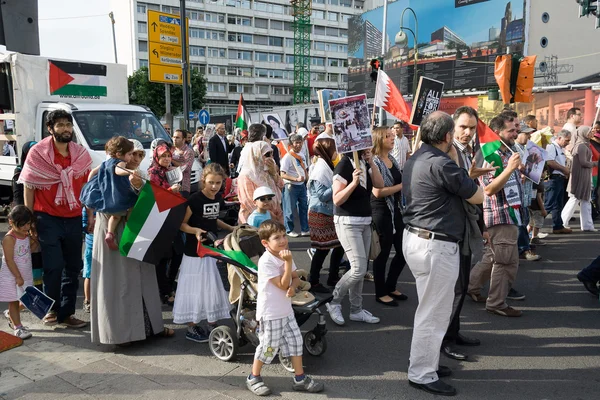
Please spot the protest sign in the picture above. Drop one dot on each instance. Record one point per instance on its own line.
(351, 123)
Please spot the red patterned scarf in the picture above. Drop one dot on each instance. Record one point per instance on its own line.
(41, 172)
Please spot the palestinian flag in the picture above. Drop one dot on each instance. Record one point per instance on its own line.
(77, 79)
(153, 224)
(226, 256)
(490, 142)
(242, 118)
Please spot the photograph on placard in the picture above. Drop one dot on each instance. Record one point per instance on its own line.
(534, 163)
(276, 123)
(324, 96)
(292, 117)
(351, 123)
(312, 118)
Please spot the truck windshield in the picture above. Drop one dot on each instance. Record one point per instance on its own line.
(99, 126)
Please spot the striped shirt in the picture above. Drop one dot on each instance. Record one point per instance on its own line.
(496, 207)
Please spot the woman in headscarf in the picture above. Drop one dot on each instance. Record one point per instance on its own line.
(580, 181)
(18, 187)
(259, 170)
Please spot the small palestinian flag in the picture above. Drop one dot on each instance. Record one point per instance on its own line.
(226, 256)
(242, 118)
(77, 79)
(153, 224)
(490, 142)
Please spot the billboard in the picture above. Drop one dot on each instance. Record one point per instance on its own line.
(458, 41)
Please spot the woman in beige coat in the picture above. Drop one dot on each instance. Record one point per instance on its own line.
(580, 181)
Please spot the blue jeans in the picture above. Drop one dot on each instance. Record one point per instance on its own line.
(591, 272)
(61, 241)
(555, 199)
(295, 196)
(523, 239)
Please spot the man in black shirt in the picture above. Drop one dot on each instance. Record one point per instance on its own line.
(435, 188)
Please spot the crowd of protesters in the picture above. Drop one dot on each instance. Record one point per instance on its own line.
(445, 203)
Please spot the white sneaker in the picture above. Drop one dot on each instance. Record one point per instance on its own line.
(293, 234)
(542, 235)
(364, 316)
(335, 312)
(305, 233)
(22, 333)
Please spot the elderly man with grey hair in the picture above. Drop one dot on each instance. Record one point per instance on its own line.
(557, 184)
(438, 193)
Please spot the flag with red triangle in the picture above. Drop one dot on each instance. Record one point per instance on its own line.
(152, 224)
(242, 118)
(390, 99)
(490, 142)
(77, 79)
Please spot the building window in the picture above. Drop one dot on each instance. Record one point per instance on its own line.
(346, 3)
(239, 71)
(317, 61)
(333, 77)
(199, 67)
(268, 7)
(289, 42)
(170, 10)
(281, 90)
(287, 26)
(264, 40)
(275, 41)
(332, 16)
(344, 33)
(142, 27)
(216, 70)
(259, 6)
(318, 14)
(142, 45)
(216, 52)
(141, 8)
(261, 23)
(278, 25)
(240, 55)
(319, 30)
(319, 46)
(239, 37)
(262, 89)
(143, 63)
(239, 20)
(318, 1)
(345, 17)
(215, 87)
(318, 76)
(246, 89)
(197, 51)
(334, 2)
(332, 32)
(333, 62)
(154, 7)
(289, 59)
(238, 3)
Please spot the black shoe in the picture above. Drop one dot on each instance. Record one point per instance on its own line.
(437, 387)
(590, 286)
(400, 296)
(515, 295)
(443, 371)
(467, 341)
(391, 303)
(318, 288)
(453, 353)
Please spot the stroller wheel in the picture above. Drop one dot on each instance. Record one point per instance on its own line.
(286, 362)
(223, 343)
(313, 346)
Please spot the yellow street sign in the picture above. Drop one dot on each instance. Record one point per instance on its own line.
(166, 74)
(164, 28)
(164, 54)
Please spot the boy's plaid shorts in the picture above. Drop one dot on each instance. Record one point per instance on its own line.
(279, 335)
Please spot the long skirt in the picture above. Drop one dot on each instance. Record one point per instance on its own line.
(200, 294)
(322, 231)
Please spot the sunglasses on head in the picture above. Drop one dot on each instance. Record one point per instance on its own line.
(265, 198)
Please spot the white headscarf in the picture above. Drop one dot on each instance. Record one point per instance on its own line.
(255, 168)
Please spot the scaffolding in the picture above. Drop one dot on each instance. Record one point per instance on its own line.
(302, 10)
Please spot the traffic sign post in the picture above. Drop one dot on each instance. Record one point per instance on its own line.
(192, 115)
(165, 48)
(203, 117)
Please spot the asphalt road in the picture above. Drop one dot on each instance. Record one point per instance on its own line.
(551, 352)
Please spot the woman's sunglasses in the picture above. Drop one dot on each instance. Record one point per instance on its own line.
(265, 198)
(269, 154)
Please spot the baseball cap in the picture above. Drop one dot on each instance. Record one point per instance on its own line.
(324, 135)
(526, 129)
(262, 191)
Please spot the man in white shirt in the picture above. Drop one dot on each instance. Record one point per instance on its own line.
(401, 150)
(559, 172)
(294, 174)
(574, 117)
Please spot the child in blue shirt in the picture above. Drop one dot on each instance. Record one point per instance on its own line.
(263, 199)
(87, 259)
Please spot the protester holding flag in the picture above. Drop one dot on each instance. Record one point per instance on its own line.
(124, 291)
(200, 293)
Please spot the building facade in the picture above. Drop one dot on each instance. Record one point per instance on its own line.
(245, 46)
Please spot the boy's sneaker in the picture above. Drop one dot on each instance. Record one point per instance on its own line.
(293, 234)
(257, 386)
(196, 334)
(22, 333)
(335, 312)
(86, 307)
(364, 316)
(308, 385)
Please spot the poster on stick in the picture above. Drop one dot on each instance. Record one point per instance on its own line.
(324, 96)
(351, 123)
(534, 163)
(427, 99)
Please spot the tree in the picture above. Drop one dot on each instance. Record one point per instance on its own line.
(150, 94)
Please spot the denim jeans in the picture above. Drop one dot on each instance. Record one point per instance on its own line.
(555, 199)
(295, 196)
(591, 272)
(61, 241)
(523, 239)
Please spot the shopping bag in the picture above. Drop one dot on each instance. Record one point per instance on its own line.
(35, 300)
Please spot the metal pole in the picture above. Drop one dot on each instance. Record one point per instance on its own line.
(184, 66)
(168, 115)
(383, 49)
(112, 20)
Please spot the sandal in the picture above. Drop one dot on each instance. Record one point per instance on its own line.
(50, 319)
(167, 333)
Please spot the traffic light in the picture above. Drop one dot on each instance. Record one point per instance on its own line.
(376, 65)
(514, 75)
(587, 7)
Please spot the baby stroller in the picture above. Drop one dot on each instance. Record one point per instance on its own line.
(224, 342)
(229, 213)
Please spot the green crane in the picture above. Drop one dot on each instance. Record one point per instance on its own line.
(302, 10)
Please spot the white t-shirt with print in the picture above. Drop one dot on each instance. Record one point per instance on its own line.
(272, 302)
(292, 167)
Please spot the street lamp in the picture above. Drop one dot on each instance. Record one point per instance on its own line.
(401, 40)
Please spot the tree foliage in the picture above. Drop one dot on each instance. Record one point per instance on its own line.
(150, 94)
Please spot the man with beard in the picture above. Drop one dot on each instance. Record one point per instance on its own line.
(53, 175)
(183, 156)
(502, 213)
(435, 188)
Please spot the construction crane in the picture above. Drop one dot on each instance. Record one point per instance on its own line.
(302, 10)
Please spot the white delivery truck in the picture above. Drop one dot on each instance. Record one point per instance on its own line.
(94, 93)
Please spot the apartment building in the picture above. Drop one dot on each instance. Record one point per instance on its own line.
(245, 46)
